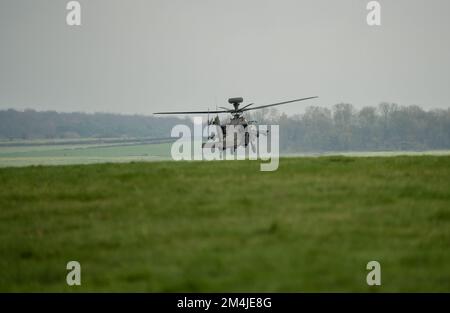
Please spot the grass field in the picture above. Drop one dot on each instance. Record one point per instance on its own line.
(82, 154)
(225, 226)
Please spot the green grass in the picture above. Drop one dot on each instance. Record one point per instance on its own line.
(225, 226)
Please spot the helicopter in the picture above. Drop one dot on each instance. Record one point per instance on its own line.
(247, 134)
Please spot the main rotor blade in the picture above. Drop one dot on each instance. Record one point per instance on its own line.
(226, 109)
(246, 106)
(192, 112)
(279, 103)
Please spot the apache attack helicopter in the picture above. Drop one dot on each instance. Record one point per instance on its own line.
(237, 119)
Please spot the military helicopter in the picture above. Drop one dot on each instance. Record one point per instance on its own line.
(248, 134)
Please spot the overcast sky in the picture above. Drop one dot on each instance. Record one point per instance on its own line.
(146, 56)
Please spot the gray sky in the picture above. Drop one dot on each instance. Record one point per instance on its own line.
(146, 56)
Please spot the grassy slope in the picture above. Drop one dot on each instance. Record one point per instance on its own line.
(225, 226)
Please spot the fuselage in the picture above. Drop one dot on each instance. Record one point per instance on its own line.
(240, 136)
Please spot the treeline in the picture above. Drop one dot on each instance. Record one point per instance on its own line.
(340, 128)
(31, 124)
(344, 128)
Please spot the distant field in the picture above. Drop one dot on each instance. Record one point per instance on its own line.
(225, 226)
(81, 154)
(37, 152)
